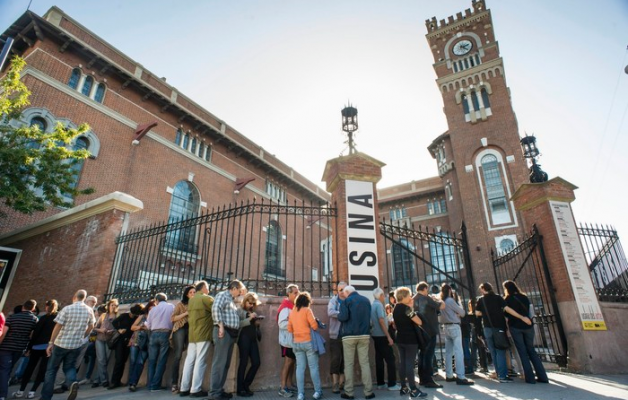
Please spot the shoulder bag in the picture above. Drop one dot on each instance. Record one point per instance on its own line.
(500, 339)
(113, 339)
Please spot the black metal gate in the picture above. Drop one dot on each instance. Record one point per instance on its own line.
(266, 245)
(526, 265)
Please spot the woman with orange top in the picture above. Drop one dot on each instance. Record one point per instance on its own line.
(300, 323)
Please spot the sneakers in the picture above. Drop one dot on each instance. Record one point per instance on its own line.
(417, 393)
(83, 381)
(74, 387)
(318, 395)
(18, 395)
(301, 396)
(132, 388)
(506, 380)
(285, 393)
(394, 388)
(31, 395)
(404, 390)
(464, 381)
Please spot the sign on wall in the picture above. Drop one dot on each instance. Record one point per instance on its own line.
(577, 267)
(362, 237)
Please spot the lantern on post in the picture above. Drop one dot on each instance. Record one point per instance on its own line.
(350, 124)
(531, 152)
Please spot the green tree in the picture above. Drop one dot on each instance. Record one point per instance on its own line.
(36, 168)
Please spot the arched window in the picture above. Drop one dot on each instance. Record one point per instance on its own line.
(87, 85)
(273, 250)
(474, 98)
(74, 78)
(100, 93)
(487, 103)
(403, 264)
(178, 137)
(193, 148)
(186, 141)
(208, 153)
(77, 165)
(506, 245)
(40, 123)
(443, 257)
(495, 193)
(465, 104)
(185, 204)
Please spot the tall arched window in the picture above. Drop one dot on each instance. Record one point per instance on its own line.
(100, 93)
(193, 148)
(403, 264)
(178, 137)
(443, 257)
(186, 141)
(42, 125)
(87, 85)
(495, 193)
(185, 204)
(77, 165)
(273, 250)
(487, 103)
(74, 78)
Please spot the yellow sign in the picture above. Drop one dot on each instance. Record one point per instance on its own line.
(594, 325)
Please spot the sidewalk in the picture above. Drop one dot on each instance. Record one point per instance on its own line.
(563, 386)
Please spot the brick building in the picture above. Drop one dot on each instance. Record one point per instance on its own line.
(153, 143)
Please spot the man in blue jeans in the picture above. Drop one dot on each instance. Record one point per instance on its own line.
(427, 307)
(159, 323)
(73, 324)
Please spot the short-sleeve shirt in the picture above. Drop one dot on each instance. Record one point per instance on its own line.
(224, 310)
(492, 308)
(20, 327)
(377, 312)
(74, 320)
(406, 331)
(520, 304)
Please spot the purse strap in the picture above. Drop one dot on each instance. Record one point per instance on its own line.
(488, 315)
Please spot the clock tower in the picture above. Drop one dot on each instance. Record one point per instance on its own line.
(479, 157)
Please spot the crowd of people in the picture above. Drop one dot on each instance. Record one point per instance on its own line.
(404, 332)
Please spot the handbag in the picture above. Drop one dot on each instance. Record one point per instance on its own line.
(232, 332)
(113, 340)
(500, 339)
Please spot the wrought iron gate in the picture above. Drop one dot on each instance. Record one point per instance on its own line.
(526, 265)
(266, 245)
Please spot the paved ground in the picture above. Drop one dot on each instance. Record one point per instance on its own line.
(563, 386)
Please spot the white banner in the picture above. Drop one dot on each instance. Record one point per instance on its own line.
(362, 237)
(577, 267)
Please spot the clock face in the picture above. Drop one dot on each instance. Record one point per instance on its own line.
(462, 47)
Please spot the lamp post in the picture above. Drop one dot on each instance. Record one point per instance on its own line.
(350, 124)
(531, 152)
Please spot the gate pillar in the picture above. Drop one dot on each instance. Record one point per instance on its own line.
(591, 347)
(352, 180)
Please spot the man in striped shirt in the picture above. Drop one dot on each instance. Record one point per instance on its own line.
(226, 326)
(74, 323)
(13, 342)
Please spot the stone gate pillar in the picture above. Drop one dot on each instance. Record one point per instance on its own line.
(592, 346)
(351, 180)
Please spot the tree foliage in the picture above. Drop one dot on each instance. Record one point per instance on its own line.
(36, 168)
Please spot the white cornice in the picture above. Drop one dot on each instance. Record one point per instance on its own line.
(113, 201)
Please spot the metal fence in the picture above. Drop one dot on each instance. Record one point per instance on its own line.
(266, 245)
(607, 261)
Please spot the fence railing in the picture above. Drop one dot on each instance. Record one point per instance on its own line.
(607, 261)
(266, 245)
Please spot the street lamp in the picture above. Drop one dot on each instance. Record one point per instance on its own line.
(350, 124)
(531, 152)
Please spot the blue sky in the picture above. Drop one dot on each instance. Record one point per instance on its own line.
(280, 71)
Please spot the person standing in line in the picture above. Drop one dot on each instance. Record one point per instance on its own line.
(383, 343)
(247, 344)
(523, 334)
(301, 323)
(14, 341)
(180, 333)
(336, 368)
(139, 347)
(285, 341)
(491, 308)
(355, 315)
(407, 322)
(200, 337)
(123, 325)
(159, 323)
(427, 307)
(450, 318)
(37, 350)
(104, 329)
(226, 329)
(73, 324)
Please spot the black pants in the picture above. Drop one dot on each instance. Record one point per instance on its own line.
(407, 355)
(122, 354)
(35, 357)
(248, 349)
(384, 352)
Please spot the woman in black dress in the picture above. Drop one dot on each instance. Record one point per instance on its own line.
(407, 323)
